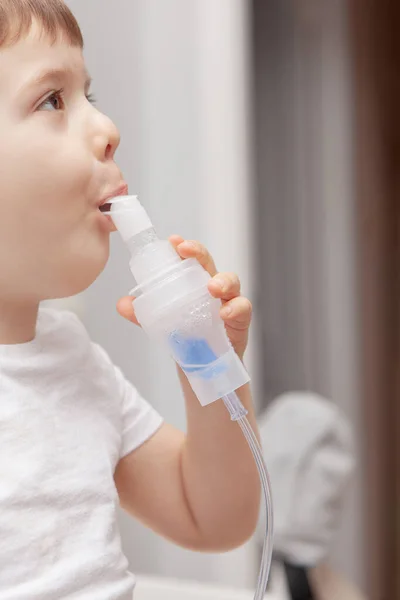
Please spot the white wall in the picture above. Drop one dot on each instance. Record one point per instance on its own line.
(171, 75)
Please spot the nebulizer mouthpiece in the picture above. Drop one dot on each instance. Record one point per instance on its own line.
(150, 256)
(129, 216)
(173, 305)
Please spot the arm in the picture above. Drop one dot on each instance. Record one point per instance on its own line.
(200, 490)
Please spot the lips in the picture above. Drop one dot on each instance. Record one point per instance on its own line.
(104, 205)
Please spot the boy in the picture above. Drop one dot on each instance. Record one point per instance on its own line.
(75, 437)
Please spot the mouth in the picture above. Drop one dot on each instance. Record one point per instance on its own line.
(105, 204)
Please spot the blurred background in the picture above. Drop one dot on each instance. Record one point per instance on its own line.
(268, 129)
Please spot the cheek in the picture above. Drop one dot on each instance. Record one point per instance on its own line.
(45, 180)
(42, 176)
(52, 256)
(47, 224)
(50, 244)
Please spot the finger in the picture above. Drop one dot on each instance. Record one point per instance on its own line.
(175, 240)
(192, 249)
(225, 286)
(237, 313)
(126, 310)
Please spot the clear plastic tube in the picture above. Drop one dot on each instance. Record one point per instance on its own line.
(238, 413)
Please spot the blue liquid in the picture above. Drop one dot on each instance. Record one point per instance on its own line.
(194, 351)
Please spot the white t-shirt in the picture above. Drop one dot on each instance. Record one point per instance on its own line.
(67, 415)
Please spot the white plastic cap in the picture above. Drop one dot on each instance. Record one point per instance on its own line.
(129, 216)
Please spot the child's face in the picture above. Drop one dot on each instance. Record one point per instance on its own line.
(56, 165)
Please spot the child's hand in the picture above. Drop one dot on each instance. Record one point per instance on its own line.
(236, 310)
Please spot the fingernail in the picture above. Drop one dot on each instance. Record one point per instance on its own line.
(190, 245)
(220, 281)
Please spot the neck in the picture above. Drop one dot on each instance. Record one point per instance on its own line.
(17, 321)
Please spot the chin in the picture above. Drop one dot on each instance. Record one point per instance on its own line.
(77, 278)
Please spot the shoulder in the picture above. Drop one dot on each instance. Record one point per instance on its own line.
(60, 323)
(62, 336)
(63, 333)
(67, 346)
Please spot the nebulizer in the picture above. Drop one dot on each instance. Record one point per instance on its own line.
(173, 305)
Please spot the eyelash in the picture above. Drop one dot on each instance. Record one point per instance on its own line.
(60, 95)
(91, 98)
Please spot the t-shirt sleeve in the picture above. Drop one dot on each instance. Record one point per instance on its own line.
(139, 420)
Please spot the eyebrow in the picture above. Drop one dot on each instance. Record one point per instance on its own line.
(56, 74)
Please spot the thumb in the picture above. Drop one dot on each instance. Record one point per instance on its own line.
(126, 310)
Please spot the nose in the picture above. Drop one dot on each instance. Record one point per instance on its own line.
(106, 137)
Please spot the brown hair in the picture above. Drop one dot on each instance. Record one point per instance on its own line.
(55, 18)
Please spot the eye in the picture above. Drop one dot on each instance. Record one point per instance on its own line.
(91, 98)
(53, 102)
